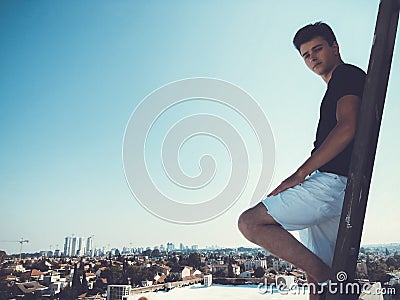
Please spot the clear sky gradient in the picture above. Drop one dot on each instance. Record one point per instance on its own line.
(72, 72)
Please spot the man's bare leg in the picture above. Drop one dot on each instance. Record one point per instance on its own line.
(260, 228)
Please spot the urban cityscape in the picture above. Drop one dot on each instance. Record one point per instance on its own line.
(81, 271)
(82, 246)
(77, 72)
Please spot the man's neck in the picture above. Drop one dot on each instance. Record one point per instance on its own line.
(326, 77)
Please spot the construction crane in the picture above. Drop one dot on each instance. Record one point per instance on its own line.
(21, 241)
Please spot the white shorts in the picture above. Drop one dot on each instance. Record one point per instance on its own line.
(313, 208)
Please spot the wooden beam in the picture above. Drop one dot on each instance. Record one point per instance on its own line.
(362, 162)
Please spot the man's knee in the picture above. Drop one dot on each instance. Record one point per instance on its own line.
(253, 217)
(245, 222)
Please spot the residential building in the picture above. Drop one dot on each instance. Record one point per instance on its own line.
(254, 264)
(208, 280)
(166, 269)
(116, 292)
(147, 283)
(31, 287)
(50, 278)
(186, 272)
(235, 269)
(57, 286)
(277, 264)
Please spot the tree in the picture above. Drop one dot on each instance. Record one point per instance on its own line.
(137, 274)
(175, 267)
(98, 287)
(377, 271)
(194, 260)
(76, 282)
(172, 277)
(260, 255)
(272, 271)
(68, 293)
(146, 252)
(114, 275)
(221, 273)
(259, 272)
(393, 262)
(84, 285)
(36, 295)
(2, 255)
(230, 271)
(155, 253)
(40, 265)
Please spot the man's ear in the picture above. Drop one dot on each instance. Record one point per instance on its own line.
(335, 47)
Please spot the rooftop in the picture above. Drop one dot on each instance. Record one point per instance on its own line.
(217, 292)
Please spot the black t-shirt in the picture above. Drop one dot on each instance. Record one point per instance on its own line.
(346, 80)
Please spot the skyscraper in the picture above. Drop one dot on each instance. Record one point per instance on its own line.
(81, 249)
(80, 246)
(67, 246)
(170, 247)
(89, 246)
(74, 245)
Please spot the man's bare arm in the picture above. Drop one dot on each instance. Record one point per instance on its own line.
(337, 140)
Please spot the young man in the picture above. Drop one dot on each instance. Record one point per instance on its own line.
(312, 203)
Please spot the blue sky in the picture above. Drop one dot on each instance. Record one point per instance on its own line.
(72, 73)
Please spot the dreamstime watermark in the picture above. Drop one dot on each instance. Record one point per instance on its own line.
(151, 192)
(341, 287)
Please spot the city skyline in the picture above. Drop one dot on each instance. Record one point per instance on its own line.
(73, 74)
(166, 246)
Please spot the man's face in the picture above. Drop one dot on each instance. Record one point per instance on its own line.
(319, 56)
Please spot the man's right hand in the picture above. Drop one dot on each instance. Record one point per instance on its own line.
(289, 182)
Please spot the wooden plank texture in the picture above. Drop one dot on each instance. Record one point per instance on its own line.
(361, 167)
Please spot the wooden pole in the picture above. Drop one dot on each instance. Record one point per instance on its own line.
(362, 162)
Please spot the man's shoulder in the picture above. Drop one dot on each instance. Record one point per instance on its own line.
(349, 70)
(346, 80)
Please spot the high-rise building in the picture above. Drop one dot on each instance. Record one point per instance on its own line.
(81, 249)
(170, 247)
(57, 253)
(78, 246)
(67, 246)
(74, 245)
(89, 246)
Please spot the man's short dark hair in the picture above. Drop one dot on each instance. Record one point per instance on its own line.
(310, 31)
